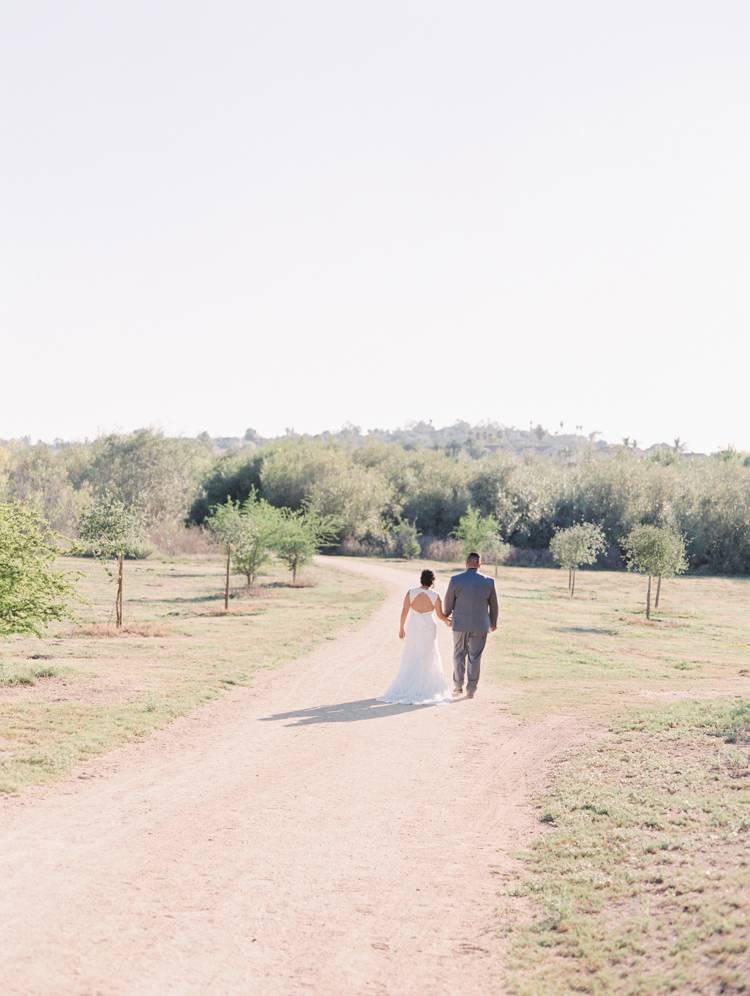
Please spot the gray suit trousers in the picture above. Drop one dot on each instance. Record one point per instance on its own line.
(471, 645)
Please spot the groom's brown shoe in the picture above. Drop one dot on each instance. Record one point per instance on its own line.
(470, 695)
(457, 692)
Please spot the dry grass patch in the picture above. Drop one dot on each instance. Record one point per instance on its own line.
(234, 610)
(596, 655)
(178, 649)
(109, 629)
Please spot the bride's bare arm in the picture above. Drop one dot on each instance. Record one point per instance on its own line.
(440, 614)
(404, 614)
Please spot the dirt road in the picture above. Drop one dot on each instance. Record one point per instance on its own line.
(294, 836)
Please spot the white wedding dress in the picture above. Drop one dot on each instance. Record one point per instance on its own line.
(420, 679)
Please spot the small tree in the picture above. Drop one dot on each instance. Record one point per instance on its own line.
(249, 532)
(406, 535)
(495, 550)
(229, 529)
(300, 536)
(114, 530)
(474, 530)
(577, 545)
(265, 521)
(658, 552)
(32, 594)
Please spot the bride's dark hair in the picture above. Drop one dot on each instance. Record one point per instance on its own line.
(427, 578)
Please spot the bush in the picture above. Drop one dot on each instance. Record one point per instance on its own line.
(39, 474)
(475, 531)
(32, 594)
(524, 557)
(407, 540)
(172, 539)
(384, 546)
(144, 468)
(294, 469)
(449, 551)
(232, 478)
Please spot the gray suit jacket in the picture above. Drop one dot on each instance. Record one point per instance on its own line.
(472, 599)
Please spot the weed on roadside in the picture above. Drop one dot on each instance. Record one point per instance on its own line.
(642, 885)
(21, 673)
(109, 629)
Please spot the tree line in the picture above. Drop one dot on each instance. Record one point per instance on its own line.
(395, 497)
(384, 495)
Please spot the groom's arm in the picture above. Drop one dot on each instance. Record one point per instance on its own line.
(494, 610)
(450, 599)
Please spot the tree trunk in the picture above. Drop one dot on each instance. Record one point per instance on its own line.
(648, 599)
(658, 591)
(573, 586)
(119, 593)
(294, 571)
(226, 589)
(570, 575)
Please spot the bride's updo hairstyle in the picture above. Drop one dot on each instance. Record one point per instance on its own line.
(427, 578)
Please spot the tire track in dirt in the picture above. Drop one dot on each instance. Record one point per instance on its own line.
(293, 836)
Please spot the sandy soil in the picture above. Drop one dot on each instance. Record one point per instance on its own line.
(293, 836)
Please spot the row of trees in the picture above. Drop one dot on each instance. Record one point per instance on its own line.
(33, 593)
(249, 532)
(652, 550)
(658, 552)
(385, 496)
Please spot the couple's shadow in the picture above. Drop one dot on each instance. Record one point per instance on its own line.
(345, 712)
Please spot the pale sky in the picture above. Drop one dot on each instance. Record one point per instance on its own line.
(218, 215)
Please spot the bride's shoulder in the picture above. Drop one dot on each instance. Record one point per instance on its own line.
(432, 595)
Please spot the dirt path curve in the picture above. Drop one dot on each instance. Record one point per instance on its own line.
(294, 836)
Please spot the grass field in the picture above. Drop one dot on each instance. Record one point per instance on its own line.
(82, 690)
(640, 880)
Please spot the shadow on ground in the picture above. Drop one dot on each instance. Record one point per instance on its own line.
(346, 712)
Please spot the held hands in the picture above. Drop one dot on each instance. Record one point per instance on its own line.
(449, 623)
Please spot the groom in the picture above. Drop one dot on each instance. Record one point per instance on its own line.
(472, 600)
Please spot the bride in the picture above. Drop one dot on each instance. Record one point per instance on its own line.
(420, 679)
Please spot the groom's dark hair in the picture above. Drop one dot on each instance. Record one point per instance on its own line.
(474, 558)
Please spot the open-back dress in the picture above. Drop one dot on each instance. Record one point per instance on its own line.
(420, 679)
